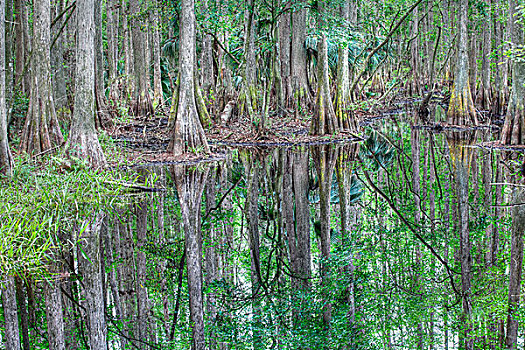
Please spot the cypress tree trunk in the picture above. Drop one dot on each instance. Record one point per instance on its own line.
(301, 92)
(324, 121)
(6, 160)
(513, 132)
(188, 134)
(83, 139)
(20, 47)
(285, 57)
(158, 97)
(41, 131)
(57, 61)
(342, 98)
(461, 110)
(142, 105)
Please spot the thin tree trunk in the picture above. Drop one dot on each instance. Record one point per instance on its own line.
(6, 159)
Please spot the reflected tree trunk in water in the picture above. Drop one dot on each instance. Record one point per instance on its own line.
(190, 182)
(461, 155)
(210, 267)
(347, 156)
(12, 336)
(516, 263)
(90, 262)
(251, 211)
(325, 158)
(54, 309)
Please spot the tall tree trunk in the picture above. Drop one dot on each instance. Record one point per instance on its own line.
(100, 97)
(112, 15)
(90, 262)
(57, 61)
(250, 68)
(190, 185)
(41, 131)
(12, 336)
(343, 77)
(20, 46)
(461, 110)
(285, 56)
(6, 160)
(83, 139)
(301, 92)
(188, 134)
(142, 105)
(485, 90)
(513, 132)
(324, 121)
(158, 97)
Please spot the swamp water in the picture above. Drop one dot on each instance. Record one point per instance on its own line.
(356, 246)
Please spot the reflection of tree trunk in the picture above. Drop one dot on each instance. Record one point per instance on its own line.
(143, 307)
(12, 337)
(90, 262)
(344, 181)
(54, 310)
(190, 185)
(252, 218)
(22, 309)
(460, 155)
(515, 270)
(324, 159)
(127, 275)
(211, 256)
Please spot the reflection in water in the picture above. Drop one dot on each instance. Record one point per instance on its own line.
(400, 241)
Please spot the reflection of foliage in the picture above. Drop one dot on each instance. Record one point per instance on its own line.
(377, 152)
(355, 192)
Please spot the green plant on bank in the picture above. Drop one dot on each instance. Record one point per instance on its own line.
(41, 200)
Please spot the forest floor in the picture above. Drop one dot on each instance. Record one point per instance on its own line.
(146, 140)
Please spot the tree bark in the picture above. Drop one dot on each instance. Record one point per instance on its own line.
(324, 121)
(301, 92)
(6, 159)
(461, 110)
(342, 98)
(83, 139)
(142, 105)
(54, 309)
(41, 131)
(188, 134)
(513, 132)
